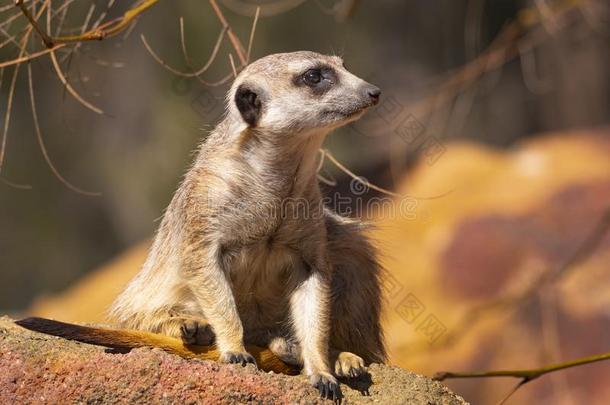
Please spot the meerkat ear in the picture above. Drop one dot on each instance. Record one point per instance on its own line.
(249, 105)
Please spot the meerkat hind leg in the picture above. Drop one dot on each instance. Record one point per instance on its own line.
(286, 350)
(346, 364)
(191, 330)
(196, 332)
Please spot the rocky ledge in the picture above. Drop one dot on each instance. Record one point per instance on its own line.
(36, 368)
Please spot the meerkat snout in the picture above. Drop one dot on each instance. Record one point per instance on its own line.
(373, 92)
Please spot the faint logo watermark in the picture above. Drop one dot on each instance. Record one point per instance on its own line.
(412, 310)
(300, 208)
(391, 115)
(359, 186)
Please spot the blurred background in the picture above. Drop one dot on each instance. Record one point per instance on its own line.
(493, 126)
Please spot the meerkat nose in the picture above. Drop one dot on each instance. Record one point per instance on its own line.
(373, 92)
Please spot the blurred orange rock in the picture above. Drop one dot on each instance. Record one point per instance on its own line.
(510, 217)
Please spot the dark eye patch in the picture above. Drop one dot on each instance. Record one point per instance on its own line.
(320, 79)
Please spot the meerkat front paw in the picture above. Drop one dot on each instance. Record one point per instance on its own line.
(349, 365)
(327, 385)
(242, 358)
(195, 332)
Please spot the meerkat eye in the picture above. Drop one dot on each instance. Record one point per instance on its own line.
(312, 77)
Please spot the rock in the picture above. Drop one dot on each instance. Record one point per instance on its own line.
(37, 368)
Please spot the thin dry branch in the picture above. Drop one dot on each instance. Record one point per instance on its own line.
(62, 18)
(106, 30)
(516, 38)
(15, 185)
(252, 31)
(235, 42)
(11, 93)
(232, 62)
(41, 143)
(104, 13)
(526, 375)
(237, 45)
(177, 72)
(7, 115)
(45, 37)
(366, 183)
(206, 66)
(185, 54)
(31, 56)
(344, 169)
(69, 87)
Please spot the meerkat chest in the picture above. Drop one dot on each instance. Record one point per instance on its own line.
(258, 263)
(260, 275)
(263, 271)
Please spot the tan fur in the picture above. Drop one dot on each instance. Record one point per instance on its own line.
(235, 255)
(131, 339)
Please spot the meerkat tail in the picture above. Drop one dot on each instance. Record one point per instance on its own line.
(123, 339)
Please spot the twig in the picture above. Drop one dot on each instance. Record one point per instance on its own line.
(103, 31)
(329, 182)
(183, 44)
(181, 73)
(212, 57)
(509, 394)
(62, 17)
(233, 69)
(551, 344)
(15, 185)
(344, 169)
(237, 45)
(48, 41)
(9, 38)
(252, 31)
(69, 87)
(88, 19)
(104, 13)
(11, 93)
(7, 115)
(509, 44)
(111, 28)
(21, 59)
(235, 42)
(526, 375)
(219, 82)
(42, 145)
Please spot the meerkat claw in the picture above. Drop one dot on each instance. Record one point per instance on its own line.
(327, 386)
(237, 358)
(188, 331)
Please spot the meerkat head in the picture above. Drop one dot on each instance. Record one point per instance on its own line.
(299, 91)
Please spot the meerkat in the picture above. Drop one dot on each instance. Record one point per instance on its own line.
(247, 253)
